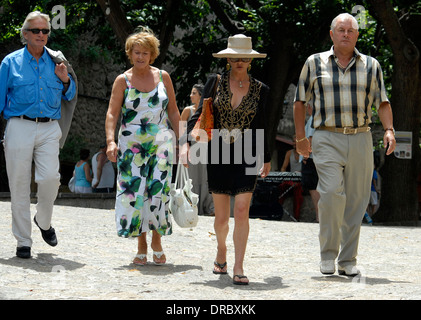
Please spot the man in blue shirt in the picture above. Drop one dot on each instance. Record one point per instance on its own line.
(32, 86)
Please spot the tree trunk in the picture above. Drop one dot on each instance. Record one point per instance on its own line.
(122, 27)
(117, 19)
(167, 30)
(278, 78)
(399, 200)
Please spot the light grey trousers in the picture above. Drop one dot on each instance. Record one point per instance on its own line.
(344, 164)
(26, 142)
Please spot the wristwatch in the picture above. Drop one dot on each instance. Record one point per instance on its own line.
(391, 129)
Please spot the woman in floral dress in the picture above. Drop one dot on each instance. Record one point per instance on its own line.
(144, 95)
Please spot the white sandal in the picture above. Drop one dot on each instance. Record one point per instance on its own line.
(140, 256)
(158, 254)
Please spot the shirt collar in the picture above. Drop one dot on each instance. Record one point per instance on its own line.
(28, 56)
(357, 54)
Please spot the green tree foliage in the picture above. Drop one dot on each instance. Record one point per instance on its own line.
(287, 30)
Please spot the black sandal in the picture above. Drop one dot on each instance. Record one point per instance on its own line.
(220, 266)
(239, 282)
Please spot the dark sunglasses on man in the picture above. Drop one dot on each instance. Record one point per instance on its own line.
(36, 31)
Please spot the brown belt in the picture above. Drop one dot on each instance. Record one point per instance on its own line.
(346, 130)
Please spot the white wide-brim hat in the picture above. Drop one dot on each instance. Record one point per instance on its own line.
(239, 46)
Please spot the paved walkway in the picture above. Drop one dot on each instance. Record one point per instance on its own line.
(91, 262)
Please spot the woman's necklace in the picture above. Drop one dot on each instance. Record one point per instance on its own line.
(240, 82)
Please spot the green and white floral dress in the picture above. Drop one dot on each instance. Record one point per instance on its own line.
(144, 163)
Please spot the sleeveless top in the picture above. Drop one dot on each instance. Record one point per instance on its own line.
(80, 176)
(107, 176)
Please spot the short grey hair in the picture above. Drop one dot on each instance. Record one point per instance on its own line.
(32, 16)
(344, 16)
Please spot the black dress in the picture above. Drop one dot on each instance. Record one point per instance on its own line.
(238, 148)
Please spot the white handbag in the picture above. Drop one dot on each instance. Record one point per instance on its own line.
(71, 184)
(183, 202)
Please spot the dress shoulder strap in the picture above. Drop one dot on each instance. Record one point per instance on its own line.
(129, 85)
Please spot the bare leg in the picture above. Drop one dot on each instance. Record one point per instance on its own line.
(157, 247)
(241, 232)
(142, 249)
(222, 214)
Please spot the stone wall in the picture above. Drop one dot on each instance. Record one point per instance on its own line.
(96, 75)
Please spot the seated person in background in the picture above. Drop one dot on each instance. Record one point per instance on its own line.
(82, 173)
(292, 158)
(103, 172)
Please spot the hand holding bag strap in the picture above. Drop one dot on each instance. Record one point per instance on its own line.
(181, 176)
(177, 181)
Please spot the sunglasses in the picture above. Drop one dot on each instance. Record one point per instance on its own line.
(240, 59)
(36, 31)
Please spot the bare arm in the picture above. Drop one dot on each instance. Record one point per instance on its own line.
(113, 114)
(185, 114)
(88, 174)
(101, 160)
(286, 161)
(386, 117)
(303, 144)
(173, 112)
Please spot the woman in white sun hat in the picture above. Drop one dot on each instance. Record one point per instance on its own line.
(239, 111)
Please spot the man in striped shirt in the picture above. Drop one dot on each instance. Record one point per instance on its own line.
(343, 84)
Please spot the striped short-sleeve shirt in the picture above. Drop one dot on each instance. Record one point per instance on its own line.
(341, 98)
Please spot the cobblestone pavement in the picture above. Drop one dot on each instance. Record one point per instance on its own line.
(282, 263)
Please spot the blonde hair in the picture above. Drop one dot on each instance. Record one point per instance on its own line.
(32, 16)
(145, 38)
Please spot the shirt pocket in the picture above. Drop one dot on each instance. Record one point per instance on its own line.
(24, 91)
(55, 90)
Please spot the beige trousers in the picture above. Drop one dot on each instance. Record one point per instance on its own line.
(26, 142)
(344, 164)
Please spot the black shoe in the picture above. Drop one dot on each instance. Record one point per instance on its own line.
(49, 235)
(23, 252)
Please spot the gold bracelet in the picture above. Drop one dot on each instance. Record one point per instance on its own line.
(300, 140)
